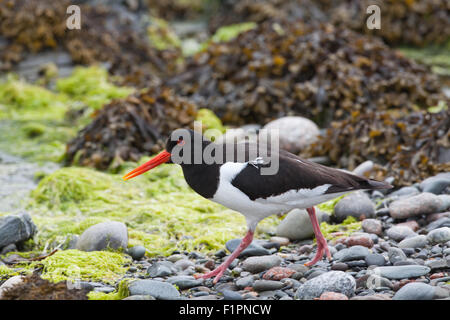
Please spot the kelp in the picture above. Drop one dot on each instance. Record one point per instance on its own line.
(407, 147)
(320, 72)
(128, 128)
(111, 34)
(410, 22)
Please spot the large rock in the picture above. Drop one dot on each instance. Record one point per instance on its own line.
(401, 272)
(356, 204)
(424, 203)
(110, 234)
(419, 241)
(297, 225)
(352, 253)
(16, 228)
(332, 281)
(158, 289)
(436, 184)
(419, 291)
(296, 133)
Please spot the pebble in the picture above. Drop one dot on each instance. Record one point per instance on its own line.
(436, 184)
(158, 289)
(356, 204)
(244, 282)
(374, 297)
(439, 223)
(183, 264)
(339, 266)
(252, 250)
(282, 241)
(333, 296)
(396, 254)
(185, 282)
(295, 133)
(278, 273)
(161, 269)
(398, 233)
(402, 272)
(439, 235)
(356, 240)
(231, 295)
(412, 224)
(419, 241)
(261, 263)
(266, 285)
(137, 252)
(437, 263)
(16, 228)
(424, 203)
(110, 234)
(415, 291)
(297, 225)
(335, 281)
(352, 253)
(372, 226)
(375, 259)
(405, 191)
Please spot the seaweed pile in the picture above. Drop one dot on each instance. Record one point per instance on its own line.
(33, 287)
(409, 147)
(323, 73)
(178, 9)
(403, 21)
(128, 128)
(108, 35)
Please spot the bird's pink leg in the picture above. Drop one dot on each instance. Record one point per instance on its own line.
(218, 272)
(322, 245)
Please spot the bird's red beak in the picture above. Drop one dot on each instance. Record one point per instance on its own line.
(164, 156)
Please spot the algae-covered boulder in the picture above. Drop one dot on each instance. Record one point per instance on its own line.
(110, 234)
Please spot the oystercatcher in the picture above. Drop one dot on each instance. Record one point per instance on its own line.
(238, 183)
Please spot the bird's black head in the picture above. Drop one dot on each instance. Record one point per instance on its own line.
(184, 147)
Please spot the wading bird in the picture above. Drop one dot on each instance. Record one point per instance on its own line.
(240, 185)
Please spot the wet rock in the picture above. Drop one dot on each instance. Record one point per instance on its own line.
(375, 259)
(352, 253)
(436, 184)
(266, 285)
(244, 282)
(185, 282)
(356, 204)
(258, 264)
(278, 273)
(398, 233)
(439, 235)
(415, 291)
(253, 249)
(137, 252)
(158, 289)
(439, 223)
(372, 226)
(402, 272)
(16, 228)
(110, 234)
(333, 296)
(424, 203)
(396, 254)
(295, 133)
(419, 241)
(334, 281)
(161, 269)
(297, 225)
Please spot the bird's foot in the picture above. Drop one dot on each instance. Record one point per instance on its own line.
(322, 248)
(218, 272)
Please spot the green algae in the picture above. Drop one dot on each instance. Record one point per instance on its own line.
(91, 86)
(227, 33)
(161, 35)
(328, 207)
(33, 122)
(347, 227)
(120, 293)
(160, 210)
(211, 124)
(435, 56)
(75, 265)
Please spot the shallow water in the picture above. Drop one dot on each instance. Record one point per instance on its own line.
(17, 179)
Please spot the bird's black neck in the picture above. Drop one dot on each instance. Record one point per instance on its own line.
(202, 178)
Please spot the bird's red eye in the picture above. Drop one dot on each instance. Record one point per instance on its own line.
(180, 142)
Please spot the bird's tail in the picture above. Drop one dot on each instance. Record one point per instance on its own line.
(374, 184)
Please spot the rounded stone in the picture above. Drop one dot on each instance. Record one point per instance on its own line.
(415, 291)
(424, 203)
(110, 234)
(439, 235)
(372, 226)
(375, 259)
(297, 225)
(356, 204)
(295, 133)
(333, 296)
(419, 241)
(332, 281)
(398, 233)
(265, 285)
(253, 249)
(261, 263)
(402, 272)
(352, 253)
(157, 289)
(137, 252)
